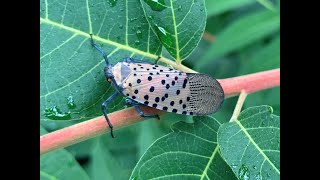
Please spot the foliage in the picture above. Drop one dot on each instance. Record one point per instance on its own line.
(73, 86)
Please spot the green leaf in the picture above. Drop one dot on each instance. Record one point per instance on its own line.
(215, 7)
(178, 24)
(149, 132)
(105, 165)
(262, 59)
(189, 152)
(251, 145)
(242, 32)
(60, 164)
(115, 158)
(72, 82)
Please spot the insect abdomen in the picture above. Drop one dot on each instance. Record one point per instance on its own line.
(173, 91)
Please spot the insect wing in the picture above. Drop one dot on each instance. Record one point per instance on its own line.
(173, 91)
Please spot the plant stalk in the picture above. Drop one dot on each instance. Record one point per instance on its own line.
(97, 126)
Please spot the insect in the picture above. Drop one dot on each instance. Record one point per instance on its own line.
(161, 87)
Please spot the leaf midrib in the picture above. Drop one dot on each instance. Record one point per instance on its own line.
(47, 175)
(120, 46)
(175, 33)
(89, 16)
(209, 162)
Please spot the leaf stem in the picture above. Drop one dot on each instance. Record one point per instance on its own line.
(176, 65)
(239, 105)
(97, 126)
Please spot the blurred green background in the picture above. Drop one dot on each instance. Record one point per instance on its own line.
(241, 37)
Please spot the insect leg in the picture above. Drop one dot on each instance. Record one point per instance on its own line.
(157, 60)
(103, 108)
(100, 50)
(142, 114)
(138, 109)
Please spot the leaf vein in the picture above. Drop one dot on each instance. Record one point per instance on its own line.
(206, 140)
(175, 32)
(89, 16)
(186, 14)
(172, 175)
(89, 71)
(209, 162)
(59, 46)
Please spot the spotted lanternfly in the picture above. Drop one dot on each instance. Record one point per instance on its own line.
(161, 87)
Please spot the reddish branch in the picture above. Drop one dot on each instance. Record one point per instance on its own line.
(208, 37)
(97, 126)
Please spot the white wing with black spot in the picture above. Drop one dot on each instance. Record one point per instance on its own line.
(173, 91)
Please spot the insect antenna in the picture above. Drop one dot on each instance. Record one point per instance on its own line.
(100, 50)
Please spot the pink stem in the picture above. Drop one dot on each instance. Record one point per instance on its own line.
(97, 126)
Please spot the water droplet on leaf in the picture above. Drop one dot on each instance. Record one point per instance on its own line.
(156, 5)
(162, 30)
(71, 103)
(234, 166)
(244, 172)
(112, 3)
(133, 19)
(150, 17)
(54, 113)
(139, 34)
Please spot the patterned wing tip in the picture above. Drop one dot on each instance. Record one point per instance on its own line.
(207, 94)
